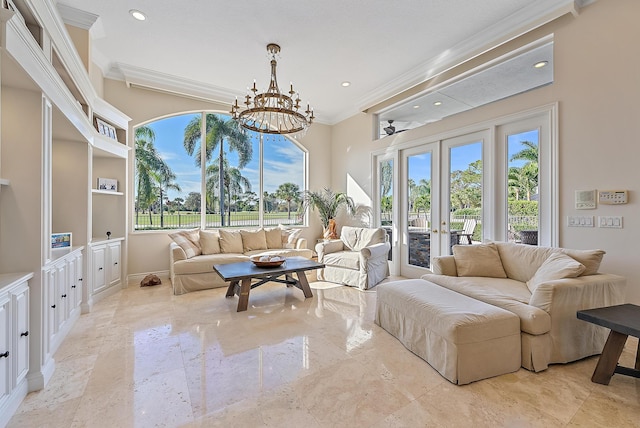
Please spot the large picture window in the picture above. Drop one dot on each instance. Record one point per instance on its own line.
(237, 178)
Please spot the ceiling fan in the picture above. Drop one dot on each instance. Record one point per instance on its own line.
(390, 130)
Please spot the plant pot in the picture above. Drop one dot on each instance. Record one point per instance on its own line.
(330, 231)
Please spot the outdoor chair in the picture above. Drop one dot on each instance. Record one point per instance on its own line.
(467, 230)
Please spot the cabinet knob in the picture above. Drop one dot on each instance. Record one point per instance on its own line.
(5, 355)
(64, 295)
(79, 279)
(99, 268)
(115, 263)
(26, 333)
(53, 306)
(73, 286)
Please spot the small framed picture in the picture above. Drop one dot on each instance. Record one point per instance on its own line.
(61, 240)
(105, 129)
(108, 184)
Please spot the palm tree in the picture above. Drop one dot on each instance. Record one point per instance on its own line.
(530, 153)
(218, 131)
(234, 183)
(148, 163)
(166, 180)
(288, 192)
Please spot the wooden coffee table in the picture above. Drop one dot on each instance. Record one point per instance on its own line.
(624, 321)
(240, 276)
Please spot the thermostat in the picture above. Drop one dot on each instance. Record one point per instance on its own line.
(585, 199)
(613, 197)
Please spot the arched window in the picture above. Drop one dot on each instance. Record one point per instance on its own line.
(238, 178)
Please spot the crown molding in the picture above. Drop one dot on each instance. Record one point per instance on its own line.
(525, 20)
(76, 17)
(145, 78)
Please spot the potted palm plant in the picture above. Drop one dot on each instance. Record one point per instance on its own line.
(327, 203)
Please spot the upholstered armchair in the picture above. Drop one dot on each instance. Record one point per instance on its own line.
(357, 259)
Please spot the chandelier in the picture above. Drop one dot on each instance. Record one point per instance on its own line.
(273, 112)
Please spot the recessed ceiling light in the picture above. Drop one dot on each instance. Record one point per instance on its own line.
(540, 64)
(416, 106)
(345, 83)
(437, 103)
(137, 15)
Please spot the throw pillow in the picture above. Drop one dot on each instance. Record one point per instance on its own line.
(189, 241)
(557, 266)
(209, 241)
(589, 258)
(289, 236)
(478, 260)
(273, 237)
(230, 241)
(253, 240)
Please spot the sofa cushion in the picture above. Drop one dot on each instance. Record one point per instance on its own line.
(521, 261)
(504, 293)
(204, 264)
(230, 241)
(273, 237)
(557, 266)
(343, 259)
(253, 240)
(209, 241)
(189, 241)
(591, 259)
(357, 238)
(478, 260)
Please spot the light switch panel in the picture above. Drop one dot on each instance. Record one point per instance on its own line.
(610, 222)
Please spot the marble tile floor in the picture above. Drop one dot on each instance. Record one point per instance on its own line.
(146, 358)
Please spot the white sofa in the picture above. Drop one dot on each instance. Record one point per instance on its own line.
(194, 252)
(357, 259)
(544, 286)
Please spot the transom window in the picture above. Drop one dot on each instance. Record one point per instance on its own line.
(237, 178)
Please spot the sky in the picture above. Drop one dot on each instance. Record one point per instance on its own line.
(283, 160)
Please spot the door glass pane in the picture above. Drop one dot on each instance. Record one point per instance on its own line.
(465, 194)
(385, 173)
(419, 209)
(523, 207)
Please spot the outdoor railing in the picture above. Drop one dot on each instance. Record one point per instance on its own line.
(187, 220)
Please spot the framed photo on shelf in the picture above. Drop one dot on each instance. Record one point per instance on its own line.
(108, 184)
(105, 129)
(61, 240)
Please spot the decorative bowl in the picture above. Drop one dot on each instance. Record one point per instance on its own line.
(266, 264)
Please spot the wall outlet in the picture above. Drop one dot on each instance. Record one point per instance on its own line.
(611, 222)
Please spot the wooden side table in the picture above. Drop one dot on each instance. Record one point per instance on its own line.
(624, 321)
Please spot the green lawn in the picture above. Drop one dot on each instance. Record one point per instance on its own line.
(190, 219)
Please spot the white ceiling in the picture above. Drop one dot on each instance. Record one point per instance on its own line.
(214, 49)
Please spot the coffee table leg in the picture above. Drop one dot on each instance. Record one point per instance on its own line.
(243, 300)
(638, 356)
(232, 289)
(609, 358)
(304, 284)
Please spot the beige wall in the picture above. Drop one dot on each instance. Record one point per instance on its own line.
(148, 251)
(597, 86)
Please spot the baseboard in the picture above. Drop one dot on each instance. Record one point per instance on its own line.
(12, 403)
(137, 277)
(37, 380)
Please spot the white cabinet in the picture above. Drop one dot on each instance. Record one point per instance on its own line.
(106, 266)
(14, 342)
(61, 296)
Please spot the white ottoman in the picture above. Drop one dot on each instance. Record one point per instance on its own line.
(462, 338)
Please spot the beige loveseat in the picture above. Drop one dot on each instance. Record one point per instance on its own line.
(194, 252)
(544, 287)
(357, 259)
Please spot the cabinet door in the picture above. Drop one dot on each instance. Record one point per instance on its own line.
(97, 268)
(76, 283)
(5, 345)
(20, 313)
(114, 268)
(61, 293)
(50, 308)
